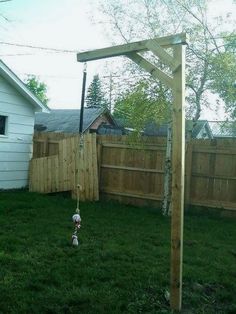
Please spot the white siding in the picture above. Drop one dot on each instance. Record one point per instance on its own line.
(16, 146)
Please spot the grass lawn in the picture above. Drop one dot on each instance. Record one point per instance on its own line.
(121, 265)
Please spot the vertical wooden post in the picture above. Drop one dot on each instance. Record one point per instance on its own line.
(188, 173)
(178, 156)
(177, 84)
(99, 158)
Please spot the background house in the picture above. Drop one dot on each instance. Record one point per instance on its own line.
(199, 129)
(17, 111)
(68, 120)
(223, 129)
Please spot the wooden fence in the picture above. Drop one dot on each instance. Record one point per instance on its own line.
(47, 144)
(60, 169)
(135, 173)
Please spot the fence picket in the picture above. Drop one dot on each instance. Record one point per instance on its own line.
(126, 170)
(60, 172)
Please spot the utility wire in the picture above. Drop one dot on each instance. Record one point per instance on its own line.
(50, 76)
(17, 54)
(37, 47)
(75, 51)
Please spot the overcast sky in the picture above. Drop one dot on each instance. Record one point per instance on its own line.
(61, 24)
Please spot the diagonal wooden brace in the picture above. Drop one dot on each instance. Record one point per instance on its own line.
(162, 54)
(152, 69)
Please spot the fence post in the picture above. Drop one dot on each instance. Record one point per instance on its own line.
(99, 159)
(188, 173)
(212, 169)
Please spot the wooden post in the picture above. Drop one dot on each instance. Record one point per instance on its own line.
(177, 84)
(99, 158)
(178, 155)
(166, 205)
(188, 173)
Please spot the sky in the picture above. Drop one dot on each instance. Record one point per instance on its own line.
(65, 25)
(61, 24)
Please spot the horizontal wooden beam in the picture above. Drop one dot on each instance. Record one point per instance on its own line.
(150, 197)
(213, 204)
(213, 150)
(132, 169)
(141, 147)
(120, 50)
(208, 176)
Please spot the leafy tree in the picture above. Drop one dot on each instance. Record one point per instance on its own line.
(141, 19)
(207, 52)
(39, 89)
(142, 105)
(95, 96)
(223, 77)
(146, 104)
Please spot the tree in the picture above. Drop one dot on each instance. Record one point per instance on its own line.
(142, 19)
(141, 105)
(206, 51)
(95, 96)
(148, 104)
(223, 79)
(39, 89)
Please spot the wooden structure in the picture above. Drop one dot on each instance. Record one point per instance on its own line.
(47, 144)
(58, 170)
(176, 82)
(134, 174)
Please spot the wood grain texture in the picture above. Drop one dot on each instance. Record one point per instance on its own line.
(72, 165)
(178, 168)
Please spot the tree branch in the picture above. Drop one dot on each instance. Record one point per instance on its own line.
(119, 28)
(205, 26)
(191, 86)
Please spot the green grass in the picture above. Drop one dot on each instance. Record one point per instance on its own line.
(121, 265)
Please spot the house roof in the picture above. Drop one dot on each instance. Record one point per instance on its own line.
(14, 80)
(198, 127)
(68, 120)
(153, 129)
(223, 129)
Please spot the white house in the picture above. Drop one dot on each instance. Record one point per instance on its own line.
(17, 111)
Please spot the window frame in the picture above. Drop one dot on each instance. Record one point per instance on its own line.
(6, 125)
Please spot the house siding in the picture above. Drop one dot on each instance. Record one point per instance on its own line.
(16, 145)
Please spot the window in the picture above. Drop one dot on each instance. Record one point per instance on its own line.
(3, 126)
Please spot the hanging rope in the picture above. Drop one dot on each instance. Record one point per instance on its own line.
(76, 218)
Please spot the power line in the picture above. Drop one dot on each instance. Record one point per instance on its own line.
(50, 76)
(37, 47)
(74, 51)
(17, 54)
